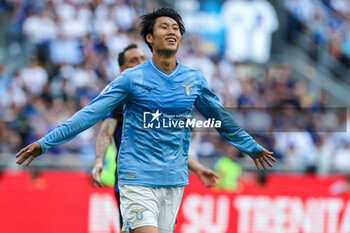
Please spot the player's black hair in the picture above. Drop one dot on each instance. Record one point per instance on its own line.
(121, 57)
(149, 20)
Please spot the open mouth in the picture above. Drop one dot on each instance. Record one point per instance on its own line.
(171, 40)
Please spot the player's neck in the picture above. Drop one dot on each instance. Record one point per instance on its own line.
(164, 62)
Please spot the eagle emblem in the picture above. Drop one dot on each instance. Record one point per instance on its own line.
(187, 88)
(139, 213)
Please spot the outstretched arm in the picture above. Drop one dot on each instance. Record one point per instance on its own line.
(208, 104)
(207, 176)
(104, 103)
(102, 142)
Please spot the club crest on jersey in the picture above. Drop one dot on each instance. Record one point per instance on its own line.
(139, 214)
(187, 88)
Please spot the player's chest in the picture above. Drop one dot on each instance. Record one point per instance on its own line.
(165, 93)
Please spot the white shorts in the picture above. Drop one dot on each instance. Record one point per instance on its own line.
(146, 206)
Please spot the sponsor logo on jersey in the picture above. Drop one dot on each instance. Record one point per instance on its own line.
(149, 89)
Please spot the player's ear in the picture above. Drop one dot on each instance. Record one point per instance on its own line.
(122, 68)
(149, 38)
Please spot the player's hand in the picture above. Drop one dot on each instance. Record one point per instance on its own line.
(208, 177)
(264, 156)
(29, 152)
(96, 174)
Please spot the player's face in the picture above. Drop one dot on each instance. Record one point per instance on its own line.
(166, 35)
(132, 57)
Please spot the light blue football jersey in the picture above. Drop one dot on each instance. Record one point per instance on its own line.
(154, 156)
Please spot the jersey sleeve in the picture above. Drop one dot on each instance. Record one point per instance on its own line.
(116, 113)
(108, 99)
(209, 105)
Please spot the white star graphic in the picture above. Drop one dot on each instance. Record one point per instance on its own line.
(156, 115)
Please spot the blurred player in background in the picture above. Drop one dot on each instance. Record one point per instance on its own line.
(112, 128)
(152, 162)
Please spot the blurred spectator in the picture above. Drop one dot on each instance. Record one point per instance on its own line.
(83, 76)
(78, 25)
(202, 63)
(342, 158)
(34, 29)
(4, 85)
(4, 78)
(326, 23)
(292, 160)
(228, 170)
(124, 14)
(323, 153)
(341, 6)
(34, 77)
(9, 139)
(16, 92)
(65, 49)
(249, 26)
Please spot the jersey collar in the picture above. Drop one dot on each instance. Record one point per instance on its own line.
(164, 73)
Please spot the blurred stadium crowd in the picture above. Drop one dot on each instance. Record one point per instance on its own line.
(73, 48)
(326, 22)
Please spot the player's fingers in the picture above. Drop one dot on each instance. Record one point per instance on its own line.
(97, 178)
(95, 175)
(21, 151)
(99, 172)
(262, 163)
(211, 184)
(97, 183)
(268, 152)
(216, 175)
(98, 168)
(256, 163)
(23, 157)
(267, 161)
(271, 157)
(30, 160)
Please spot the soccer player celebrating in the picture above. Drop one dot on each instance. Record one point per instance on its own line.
(152, 162)
(112, 128)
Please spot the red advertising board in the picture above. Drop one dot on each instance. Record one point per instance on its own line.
(286, 203)
(59, 201)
